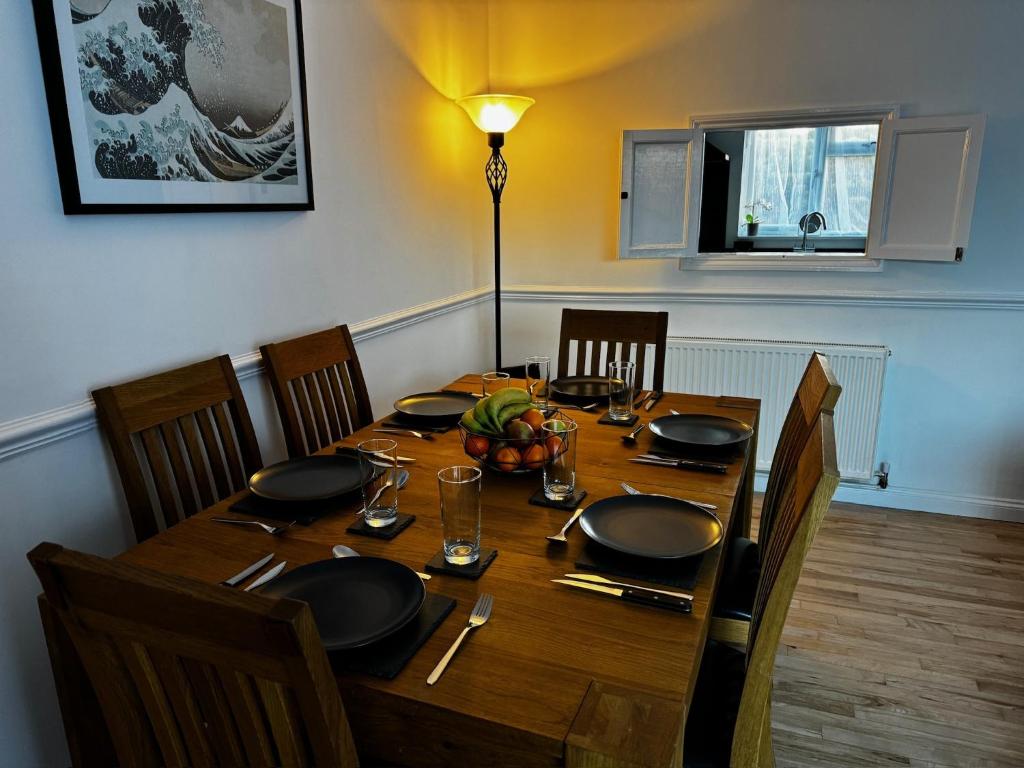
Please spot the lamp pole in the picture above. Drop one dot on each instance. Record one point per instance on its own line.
(496, 171)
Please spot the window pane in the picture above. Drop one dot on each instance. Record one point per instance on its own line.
(788, 172)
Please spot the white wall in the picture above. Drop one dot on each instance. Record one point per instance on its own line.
(953, 407)
(400, 221)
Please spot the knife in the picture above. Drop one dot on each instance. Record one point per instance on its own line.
(602, 580)
(631, 595)
(399, 425)
(644, 395)
(245, 573)
(654, 398)
(271, 574)
(659, 461)
(401, 459)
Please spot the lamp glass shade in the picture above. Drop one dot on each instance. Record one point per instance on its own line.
(495, 112)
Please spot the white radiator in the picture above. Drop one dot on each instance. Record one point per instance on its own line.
(771, 371)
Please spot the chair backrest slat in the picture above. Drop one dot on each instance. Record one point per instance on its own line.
(319, 389)
(801, 506)
(611, 335)
(167, 445)
(192, 674)
(818, 391)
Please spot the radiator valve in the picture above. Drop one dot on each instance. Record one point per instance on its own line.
(883, 474)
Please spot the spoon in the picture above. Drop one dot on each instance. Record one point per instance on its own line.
(630, 439)
(340, 550)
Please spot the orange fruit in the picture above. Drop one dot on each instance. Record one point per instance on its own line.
(554, 445)
(534, 418)
(477, 446)
(506, 459)
(535, 456)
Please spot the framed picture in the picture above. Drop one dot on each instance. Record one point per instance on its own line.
(163, 106)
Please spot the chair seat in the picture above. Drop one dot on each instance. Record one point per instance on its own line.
(716, 702)
(738, 587)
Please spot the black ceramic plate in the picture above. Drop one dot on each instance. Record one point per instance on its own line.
(309, 478)
(580, 390)
(435, 407)
(651, 526)
(355, 600)
(700, 430)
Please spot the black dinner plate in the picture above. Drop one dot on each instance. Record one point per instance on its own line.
(309, 478)
(658, 527)
(355, 600)
(700, 430)
(580, 390)
(435, 407)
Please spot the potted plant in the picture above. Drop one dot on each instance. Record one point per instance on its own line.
(752, 221)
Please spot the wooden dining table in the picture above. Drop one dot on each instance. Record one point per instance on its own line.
(558, 676)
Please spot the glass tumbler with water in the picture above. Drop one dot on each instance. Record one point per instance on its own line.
(460, 513)
(621, 374)
(560, 469)
(492, 381)
(378, 461)
(538, 373)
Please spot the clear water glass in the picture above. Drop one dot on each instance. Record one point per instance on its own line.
(538, 374)
(378, 460)
(560, 470)
(493, 381)
(460, 513)
(621, 375)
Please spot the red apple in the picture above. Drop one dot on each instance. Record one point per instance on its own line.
(477, 446)
(535, 456)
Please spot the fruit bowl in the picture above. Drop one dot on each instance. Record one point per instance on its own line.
(503, 454)
(503, 432)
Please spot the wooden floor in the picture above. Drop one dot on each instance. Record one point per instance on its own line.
(904, 645)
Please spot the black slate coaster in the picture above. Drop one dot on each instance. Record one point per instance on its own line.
(387, 657)
(606, 419)
(672, 573)
(302, 512)
(388, 532)
(472, 571)
(540, 500)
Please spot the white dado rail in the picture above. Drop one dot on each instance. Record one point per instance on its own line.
(41, 429)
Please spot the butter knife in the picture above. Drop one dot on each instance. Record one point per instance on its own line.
(248, 571)
(631, 595)
(593, 577)
(271, 574)
(653, 399)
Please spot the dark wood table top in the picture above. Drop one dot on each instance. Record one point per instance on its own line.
(557, 676)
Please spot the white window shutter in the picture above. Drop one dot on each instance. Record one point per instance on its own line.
(655, 214)
(923, 197)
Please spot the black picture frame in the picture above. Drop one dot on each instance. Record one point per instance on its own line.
(64, 151)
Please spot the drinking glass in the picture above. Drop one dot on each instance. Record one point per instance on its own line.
(560, 470)
(493, 381)
(538, 371)
(620, 389)
(380, 492)
(460, 513)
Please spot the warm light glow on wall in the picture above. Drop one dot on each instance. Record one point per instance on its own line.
(495, 112)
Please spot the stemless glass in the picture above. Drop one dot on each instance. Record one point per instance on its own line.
(538, 372)
(380, 492)
(460, 513)
(620, 389)
(493, 381)
(560, 470)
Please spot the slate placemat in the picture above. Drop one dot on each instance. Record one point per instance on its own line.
(680, 573)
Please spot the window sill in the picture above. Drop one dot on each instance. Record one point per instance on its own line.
(788, 261)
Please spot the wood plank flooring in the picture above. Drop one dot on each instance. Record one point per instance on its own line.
(904, 645)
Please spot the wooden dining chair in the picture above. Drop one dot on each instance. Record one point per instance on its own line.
(190, 674)
(190, 429)
(612, 335)
(319, 388)
(730, 721)
(818, 391)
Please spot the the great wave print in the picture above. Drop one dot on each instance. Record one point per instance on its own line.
(196, 90)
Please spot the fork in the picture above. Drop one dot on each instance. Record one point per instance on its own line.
(481, 613)
(413, 432)
(634, 492)
(560, 536)
(273, 530)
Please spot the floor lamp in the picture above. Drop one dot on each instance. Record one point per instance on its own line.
(496, 114)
